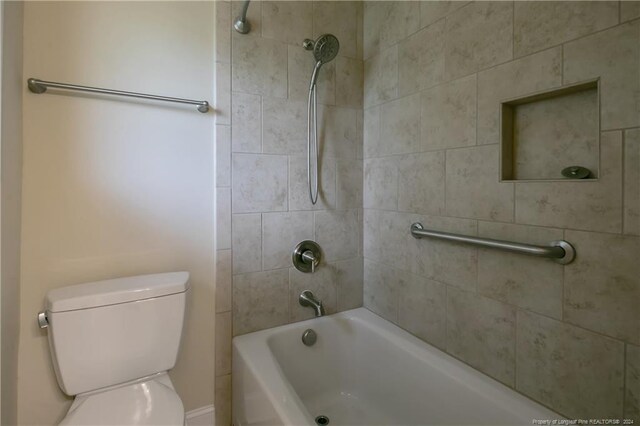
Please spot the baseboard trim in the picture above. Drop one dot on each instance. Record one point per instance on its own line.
(203, 416)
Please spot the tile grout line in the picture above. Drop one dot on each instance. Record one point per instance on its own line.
(619, 11)
(515, 351)
(564, 277)
(513, 30)
(289, 289)
(623, 172)
(515, 204)
(445, 182)
(446, 318)
(624, 379)
(562, 82)
(231, 174)
(262, 250)
(623, 185)
(477, 106)
(477, 259)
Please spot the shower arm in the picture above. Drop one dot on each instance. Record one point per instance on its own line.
(241, 24)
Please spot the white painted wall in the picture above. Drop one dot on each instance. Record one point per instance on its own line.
(116, 187)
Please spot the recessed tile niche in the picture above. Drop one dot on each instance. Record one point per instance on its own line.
(544, 133)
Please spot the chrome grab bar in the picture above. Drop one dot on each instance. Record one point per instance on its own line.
(560, 251)
(40, 86)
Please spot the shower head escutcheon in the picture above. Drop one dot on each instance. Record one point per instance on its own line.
(241, 24)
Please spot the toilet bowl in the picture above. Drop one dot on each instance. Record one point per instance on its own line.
(112, 343)
(148, 402)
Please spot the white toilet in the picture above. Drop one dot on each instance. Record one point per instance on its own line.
(112, 343)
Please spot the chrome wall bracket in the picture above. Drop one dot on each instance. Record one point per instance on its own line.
(308, 44)
(569, 252)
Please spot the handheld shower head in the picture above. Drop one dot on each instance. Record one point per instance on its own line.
(326, 48)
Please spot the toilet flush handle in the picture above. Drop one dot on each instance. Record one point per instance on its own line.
(43, 321)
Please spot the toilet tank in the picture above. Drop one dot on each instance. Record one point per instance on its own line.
(109, 332)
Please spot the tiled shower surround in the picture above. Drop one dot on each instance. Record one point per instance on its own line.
(435, 74)
(416, 92)
(263, 203)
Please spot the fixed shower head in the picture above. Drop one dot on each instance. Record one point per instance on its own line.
(326, 48)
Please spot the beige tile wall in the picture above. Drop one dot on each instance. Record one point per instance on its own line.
(567, 336)
(431, 81)
(263, 204)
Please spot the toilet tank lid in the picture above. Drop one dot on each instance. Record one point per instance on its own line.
(119, 290)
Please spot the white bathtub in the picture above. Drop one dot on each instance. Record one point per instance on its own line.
(363, 370)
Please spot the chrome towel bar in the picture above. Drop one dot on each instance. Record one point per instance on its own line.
(40, 86)
(560, 251)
